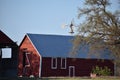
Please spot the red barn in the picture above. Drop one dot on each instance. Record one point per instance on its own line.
(8, 56)
(49, 56)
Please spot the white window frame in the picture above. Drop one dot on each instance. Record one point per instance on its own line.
(64, 63)
(28, 65)
(2, 53)
(73, 67)
(52, 59)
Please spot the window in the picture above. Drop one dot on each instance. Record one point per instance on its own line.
(63, 63)
(6, 53)
(26, 59)
(54, 63)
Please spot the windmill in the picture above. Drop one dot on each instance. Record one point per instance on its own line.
(71, 25)
(71, 28)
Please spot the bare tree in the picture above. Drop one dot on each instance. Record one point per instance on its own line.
(100, 25)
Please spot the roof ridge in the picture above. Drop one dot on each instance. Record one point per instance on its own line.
(50, 34)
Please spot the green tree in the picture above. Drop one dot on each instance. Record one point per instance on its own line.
(100, 25)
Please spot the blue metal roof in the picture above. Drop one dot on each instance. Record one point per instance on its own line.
(60, 46)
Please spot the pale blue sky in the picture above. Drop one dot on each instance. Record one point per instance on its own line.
(18, 17)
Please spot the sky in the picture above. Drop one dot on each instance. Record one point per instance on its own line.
(18, 17)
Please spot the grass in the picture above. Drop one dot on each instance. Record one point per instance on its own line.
(63, 78)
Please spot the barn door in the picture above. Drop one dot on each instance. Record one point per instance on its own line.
(71, 71)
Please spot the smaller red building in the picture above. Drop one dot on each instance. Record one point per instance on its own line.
(8, 56)
(49, 56)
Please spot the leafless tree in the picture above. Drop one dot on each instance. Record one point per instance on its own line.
(100, 25)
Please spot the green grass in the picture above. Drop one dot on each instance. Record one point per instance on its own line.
(63, 78)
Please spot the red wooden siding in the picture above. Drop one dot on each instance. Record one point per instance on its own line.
(83, 67)
(74, 67)
(8, 65)
(47, 70)
(4, 38)
(33, 58)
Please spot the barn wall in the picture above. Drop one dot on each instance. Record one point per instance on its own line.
(47, 71)
(83, 67)
(33, 57)
(8, 66)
